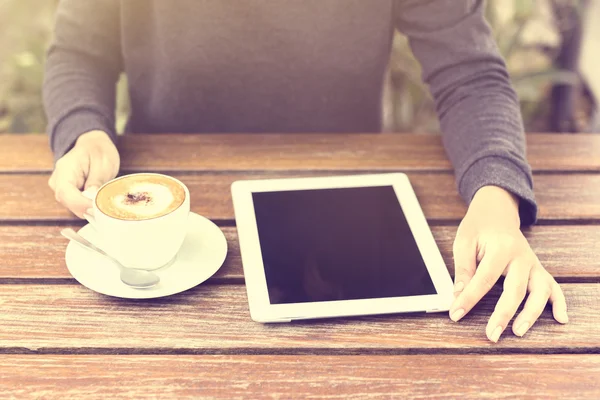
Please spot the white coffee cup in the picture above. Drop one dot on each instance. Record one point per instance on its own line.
(146, 244)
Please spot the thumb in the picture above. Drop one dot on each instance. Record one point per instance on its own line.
(95, 179)
(90, 192)
(465, 262)
(99, 173)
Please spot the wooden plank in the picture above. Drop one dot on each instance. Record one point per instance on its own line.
(301, 377)
(37, 252)
(240, 152)
(565, 197)
(215, 319)
(20, 152)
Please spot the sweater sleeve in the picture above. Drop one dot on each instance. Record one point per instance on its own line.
(479, 112)
(82, 67)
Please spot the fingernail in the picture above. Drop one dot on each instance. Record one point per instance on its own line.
(458, 287)
(496, 334)
(521, 330)
(90, 192)
(89, 211)
(564, 318)
(456, 315)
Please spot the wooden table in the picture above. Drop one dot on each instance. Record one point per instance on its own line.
(59, 339)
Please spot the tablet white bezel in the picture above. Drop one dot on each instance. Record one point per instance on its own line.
(261, 310)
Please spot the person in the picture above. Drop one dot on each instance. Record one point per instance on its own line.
(306, 66)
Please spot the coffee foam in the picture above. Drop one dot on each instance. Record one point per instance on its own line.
(144, 199)
(140, 196)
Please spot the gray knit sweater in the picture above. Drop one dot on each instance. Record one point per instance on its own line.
(286, 66)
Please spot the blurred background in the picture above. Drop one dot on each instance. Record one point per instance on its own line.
(552, 49)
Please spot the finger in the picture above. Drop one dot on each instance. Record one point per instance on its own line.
(464, 251)
(539, 293)
(90, 193)
(51, 181)
(492, 265)
(559, 303)
(69, 195)
(99, 173)
(66, 169)
(513, 293)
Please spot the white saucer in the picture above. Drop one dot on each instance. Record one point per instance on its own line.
(202, 254)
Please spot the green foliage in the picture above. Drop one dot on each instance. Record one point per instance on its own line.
(529, 64)
(26, 26)
(24, 31)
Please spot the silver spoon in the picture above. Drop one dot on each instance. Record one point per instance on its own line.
(135, 278)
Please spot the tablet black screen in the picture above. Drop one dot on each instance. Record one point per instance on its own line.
(338, 244)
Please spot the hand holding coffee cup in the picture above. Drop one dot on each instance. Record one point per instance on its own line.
(142, 219)
(91, 162)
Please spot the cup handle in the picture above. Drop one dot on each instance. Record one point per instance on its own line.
(90, 218)
(90, 194)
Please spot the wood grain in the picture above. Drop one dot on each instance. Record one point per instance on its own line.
(37, 252)
(203, 343)
(564, 197)
(301, 377)
(239, 152)
(215, 319)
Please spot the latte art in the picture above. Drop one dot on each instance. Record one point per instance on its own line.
(140, 196)
(144, 199)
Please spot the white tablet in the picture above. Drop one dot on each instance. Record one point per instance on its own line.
(337, 246)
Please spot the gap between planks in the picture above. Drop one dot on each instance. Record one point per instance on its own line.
(292, 173)
(414, 351)
(240, 281)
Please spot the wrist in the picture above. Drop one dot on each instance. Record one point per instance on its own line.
(499, 200)
(98, 144)
(95, 137)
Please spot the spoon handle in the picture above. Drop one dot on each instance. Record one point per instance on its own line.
(76, 237)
